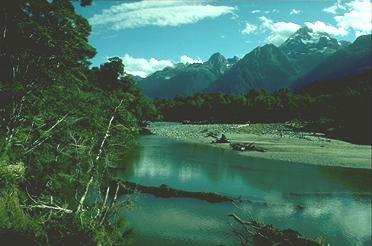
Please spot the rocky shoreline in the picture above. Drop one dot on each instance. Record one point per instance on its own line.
(280, 141)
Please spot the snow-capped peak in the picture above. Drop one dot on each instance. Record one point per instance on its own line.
(305, 40)
(307, 35)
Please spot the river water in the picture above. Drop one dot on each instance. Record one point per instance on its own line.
(334, 203)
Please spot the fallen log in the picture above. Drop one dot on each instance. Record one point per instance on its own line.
(165, 191)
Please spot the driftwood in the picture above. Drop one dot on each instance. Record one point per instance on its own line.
(222, 139)
(254, 233)
(211, 134)
(246, 147)
(165, 191)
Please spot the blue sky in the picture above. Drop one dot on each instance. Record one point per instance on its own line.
(152, 34)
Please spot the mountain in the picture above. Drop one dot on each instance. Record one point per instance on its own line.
(306, 49)
(352, 59)
(271, 68)
(185, 79)
(304, 57)
(217, 63)
(135, 77)
(265, 67)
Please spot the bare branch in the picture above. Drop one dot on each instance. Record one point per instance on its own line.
(107, 131)
(98, 157)
(112, 204)
(43, 206)
(82, 199)
(239, 220)
(40, 141)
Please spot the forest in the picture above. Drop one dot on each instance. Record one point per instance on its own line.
(62, 125)
(339, 108)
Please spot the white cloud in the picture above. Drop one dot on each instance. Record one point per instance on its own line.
(256, 11)
(319, 26)
(295, 12)
(279, 31)
(356, 17)
(143, 67)
(352, 15)
(271, 11)
(188, 60)
(157, 13)
(334, 8)
(249, 28)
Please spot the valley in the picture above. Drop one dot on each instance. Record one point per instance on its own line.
(185, 123)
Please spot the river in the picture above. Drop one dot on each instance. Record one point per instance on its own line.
(334, 203)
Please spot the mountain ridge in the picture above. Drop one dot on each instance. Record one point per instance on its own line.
(293, 64)
(352, 59)
(185, 79)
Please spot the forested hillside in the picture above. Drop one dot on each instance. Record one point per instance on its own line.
(62, 125)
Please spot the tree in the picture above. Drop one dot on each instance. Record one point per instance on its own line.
(58, 124)
(109, 73)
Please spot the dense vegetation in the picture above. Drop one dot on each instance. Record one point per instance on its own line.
(61, 126)
(339, 108)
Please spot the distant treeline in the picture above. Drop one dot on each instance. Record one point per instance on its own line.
(340, 108)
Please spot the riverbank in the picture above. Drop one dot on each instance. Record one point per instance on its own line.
(279, 141)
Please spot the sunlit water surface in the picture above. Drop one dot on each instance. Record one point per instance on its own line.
(334, 203)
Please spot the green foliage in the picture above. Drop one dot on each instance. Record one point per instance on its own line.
(13, 217)
(108, 74)
(62, 124)
(11, 174)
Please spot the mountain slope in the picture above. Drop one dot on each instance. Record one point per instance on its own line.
(265, 67)
(185, 79)
(361, 82)
(304, 57)
(271, 68)
(352, 59)
(306, 48)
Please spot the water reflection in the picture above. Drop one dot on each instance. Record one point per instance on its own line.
(202, 168)
(191, 222)
(335, 202)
